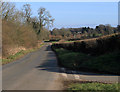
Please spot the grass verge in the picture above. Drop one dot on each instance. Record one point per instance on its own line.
(106, 63)
(18, 55)
(94, 87)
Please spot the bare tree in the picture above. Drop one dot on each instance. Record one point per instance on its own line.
(8, 10)
(27, 10)
(19, 17)
(35, 24)
(45, 19)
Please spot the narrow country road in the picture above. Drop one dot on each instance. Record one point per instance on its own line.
(36, 71)
(39, 71)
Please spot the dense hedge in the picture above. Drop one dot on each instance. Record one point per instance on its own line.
(96, 46)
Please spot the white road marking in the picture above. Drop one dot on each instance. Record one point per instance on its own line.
(76, 76)
(64, 75)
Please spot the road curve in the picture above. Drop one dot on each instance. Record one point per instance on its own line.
(36, 71)
(39, 71)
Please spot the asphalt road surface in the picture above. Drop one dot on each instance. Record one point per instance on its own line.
(39, 71)
(36, 71)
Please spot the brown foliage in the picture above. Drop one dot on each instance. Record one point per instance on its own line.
(94, 46)
(16, 36)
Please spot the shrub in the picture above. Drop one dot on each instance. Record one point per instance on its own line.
(94, 46)
(14, 35)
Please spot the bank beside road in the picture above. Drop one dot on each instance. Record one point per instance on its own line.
(19, 54)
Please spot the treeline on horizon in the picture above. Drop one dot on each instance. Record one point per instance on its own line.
(83, 33)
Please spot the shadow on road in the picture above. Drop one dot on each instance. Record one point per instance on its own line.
(51, 65)
(48, 48)
(50, 62)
